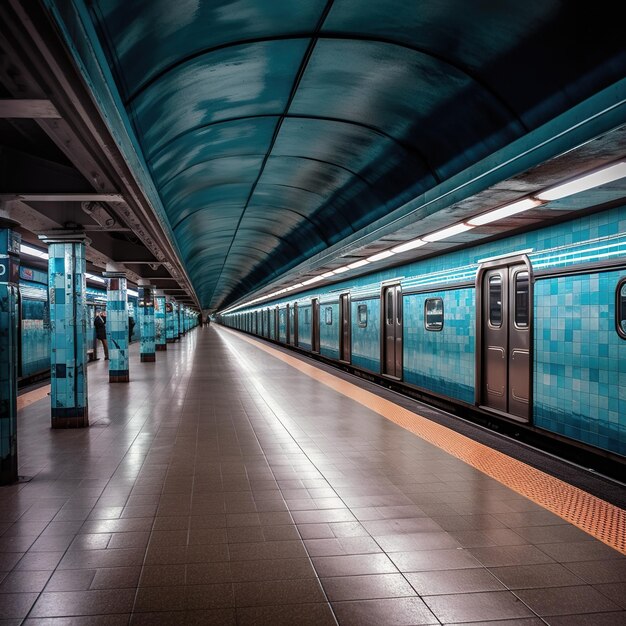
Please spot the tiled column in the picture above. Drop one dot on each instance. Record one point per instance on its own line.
(176, 321)
(117, 326)
(145, 304)
(169, 321)
(9, 320)
(68, 330)
(160, 336)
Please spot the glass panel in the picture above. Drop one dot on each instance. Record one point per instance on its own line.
(433, 314)
(522, 300)
(307, 316)
(399, 306)
(362, 315)
(389, 306)
(329, 315)
(495, 300)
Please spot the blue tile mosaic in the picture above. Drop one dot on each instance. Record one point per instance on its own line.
(117, 329)
(147, 343)
(160, 338)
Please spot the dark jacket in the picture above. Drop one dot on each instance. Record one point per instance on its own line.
(101, 329)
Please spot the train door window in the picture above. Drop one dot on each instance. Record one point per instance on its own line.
(522, 300)
(389, 307)
(362, 315)
(328, 315)
(433, 314)
(495, 300)
(620, 308)
(505, 353)
(307, 316)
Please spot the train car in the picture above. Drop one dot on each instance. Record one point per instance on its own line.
(530, 328)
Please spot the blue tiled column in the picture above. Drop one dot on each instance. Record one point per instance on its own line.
(169, 322)
(68, 330)
(176, 321)
(9, 319)
(160, 336)
(117, 326)
(145, 304)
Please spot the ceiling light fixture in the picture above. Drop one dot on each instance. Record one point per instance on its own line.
(341, 270)
(409, 245)
(30, 251)
(447, 232)
(505, 211)
(97, 279)
(328, 274)
(357, 264)
(582, 183)
(385, 254)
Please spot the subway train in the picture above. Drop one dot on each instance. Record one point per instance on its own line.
(34, 322)
(529, 329)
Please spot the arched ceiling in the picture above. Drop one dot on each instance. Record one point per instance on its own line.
(273, 129)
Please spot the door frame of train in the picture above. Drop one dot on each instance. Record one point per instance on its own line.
(294, 337)
(508, 261)
(315, 325)
(345, 319)
(382, 339)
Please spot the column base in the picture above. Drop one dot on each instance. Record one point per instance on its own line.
(72, 417)
(147, 358)
(161, 347)
(172, 340)
(119, 376)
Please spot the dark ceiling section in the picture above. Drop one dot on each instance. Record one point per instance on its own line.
(273, 130)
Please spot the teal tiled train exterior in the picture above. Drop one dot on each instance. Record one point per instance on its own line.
(579, 359)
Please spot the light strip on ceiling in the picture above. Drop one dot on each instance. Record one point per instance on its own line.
(30, 251)
(357, 264)
(97, 279)
(447, 232)
(385, 254)
(505, 211)
(341, 270)
(409, 245)
(600, 177)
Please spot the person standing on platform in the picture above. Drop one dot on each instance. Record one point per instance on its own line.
(101, 331)
(131, 326)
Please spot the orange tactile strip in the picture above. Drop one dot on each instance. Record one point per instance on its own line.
(26, 399)
(598, 518)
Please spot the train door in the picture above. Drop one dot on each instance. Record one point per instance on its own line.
(288, 324)
(344, 327)
(506, 338)
(276, 324)
(294, 324)
(392, 331)
(315, 325)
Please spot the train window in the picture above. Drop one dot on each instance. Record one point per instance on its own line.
(433, 314)
(522, 300)
(328, 314)
(307, 316)
(362, 315)
(389, 306)
(495, 300)
(399, 306)
(620, 308)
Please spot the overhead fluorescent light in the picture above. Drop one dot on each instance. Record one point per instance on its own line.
(328, 274)
(447, 232)
(132, 293)
(409, 245)
(600, 177)
(30, 251)
(315, 279)
(97, 279)
(505, 211)
(298, 285)
(341, 270)
(385, 254)
(357, 264)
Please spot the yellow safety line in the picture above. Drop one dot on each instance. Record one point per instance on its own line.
(26, 399)
(602, 520)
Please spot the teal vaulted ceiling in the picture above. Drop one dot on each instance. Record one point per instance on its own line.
(273, 129)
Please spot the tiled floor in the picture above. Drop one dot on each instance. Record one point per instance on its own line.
(222, 486)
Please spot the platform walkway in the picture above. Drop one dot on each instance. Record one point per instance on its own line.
(224, 486)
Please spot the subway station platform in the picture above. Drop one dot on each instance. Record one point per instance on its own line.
(232, 483)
